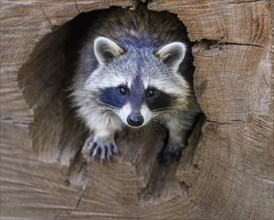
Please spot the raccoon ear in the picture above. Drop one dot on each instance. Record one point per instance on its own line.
(172, 54)
(105, 50)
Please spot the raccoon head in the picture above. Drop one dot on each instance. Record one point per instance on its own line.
(138, 84)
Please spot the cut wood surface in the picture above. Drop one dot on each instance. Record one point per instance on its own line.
(227, 170)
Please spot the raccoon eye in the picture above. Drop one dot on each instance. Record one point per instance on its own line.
(122, 90)
(151, 92)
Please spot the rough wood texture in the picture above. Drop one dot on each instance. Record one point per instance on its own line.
(225, 173)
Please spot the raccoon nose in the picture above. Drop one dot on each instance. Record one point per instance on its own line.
(135, 120)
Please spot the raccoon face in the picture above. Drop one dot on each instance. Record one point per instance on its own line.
(136, 105)
(138, 85)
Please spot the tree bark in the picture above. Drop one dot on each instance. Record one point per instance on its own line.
(226, 172)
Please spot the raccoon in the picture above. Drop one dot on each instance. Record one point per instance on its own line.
(135, 68)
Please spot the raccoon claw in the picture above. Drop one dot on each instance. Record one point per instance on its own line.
(104, 150)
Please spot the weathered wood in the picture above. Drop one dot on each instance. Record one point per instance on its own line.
(225, 173)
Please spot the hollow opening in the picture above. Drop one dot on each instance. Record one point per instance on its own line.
(57, 135)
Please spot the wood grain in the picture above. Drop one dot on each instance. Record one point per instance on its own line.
(226, 172)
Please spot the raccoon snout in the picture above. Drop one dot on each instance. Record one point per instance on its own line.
(135, 120)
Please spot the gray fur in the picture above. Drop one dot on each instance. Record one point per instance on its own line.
(121, 54)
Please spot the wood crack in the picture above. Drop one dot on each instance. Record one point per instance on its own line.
(268, 181)
(76, 6)
(228, 123)
(246, 2)
(80, 197)
(46, 17)
(14, 122)
(211, 44)
(240, 44)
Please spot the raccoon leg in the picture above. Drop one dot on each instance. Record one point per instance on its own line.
(176, 141)
(103, 144)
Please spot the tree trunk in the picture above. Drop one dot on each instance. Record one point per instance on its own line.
(226, 172)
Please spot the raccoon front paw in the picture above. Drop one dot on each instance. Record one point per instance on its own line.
(105, 149)
(170, 153)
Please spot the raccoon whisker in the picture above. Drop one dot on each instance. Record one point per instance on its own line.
(165, 113)
(156, 126)
(97, 109)
(157, 121)
(146, 129)
(106, 106)
(166, 109)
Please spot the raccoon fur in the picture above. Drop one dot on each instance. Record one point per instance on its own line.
(135, 68)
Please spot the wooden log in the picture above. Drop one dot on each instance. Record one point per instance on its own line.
(226, 172)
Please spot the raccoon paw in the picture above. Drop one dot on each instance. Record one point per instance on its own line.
(105, 150)
(170, 154)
